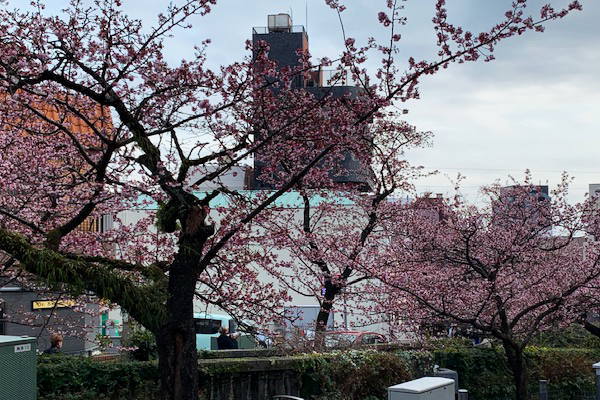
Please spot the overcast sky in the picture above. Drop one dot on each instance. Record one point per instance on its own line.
(537, 106)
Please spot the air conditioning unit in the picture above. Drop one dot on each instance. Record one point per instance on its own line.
(279, 23)
(428, 388)
(18, 368)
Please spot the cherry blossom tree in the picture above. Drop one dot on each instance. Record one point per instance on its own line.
(158, 131)
(518, 266)
(318, 246)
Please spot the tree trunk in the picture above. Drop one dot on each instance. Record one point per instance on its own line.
(516, 363)
(176, 340)
(177, 354)
(590, 327)
(323, 316)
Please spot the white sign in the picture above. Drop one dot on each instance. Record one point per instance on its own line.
(20, 348)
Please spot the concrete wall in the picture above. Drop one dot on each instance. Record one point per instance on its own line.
(255, 379)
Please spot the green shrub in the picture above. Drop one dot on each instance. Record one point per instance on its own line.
(144, 342)
(568, 370)
(78, 378)
(351, 375)
(571, 337)
(419, 362)
(485, 374)
(354, 375)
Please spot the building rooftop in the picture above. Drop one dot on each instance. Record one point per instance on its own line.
(288, 200)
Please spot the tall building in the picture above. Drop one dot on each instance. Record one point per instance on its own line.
(595, 191)
(430, 207)
(532, 193)
(285, 40)
(527, 203)
(592, 216)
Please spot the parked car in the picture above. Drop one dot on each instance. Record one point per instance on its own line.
(352, 338)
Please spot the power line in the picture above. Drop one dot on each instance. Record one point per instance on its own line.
(514, 169)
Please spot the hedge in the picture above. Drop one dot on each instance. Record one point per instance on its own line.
(80, 378)
(485, 374)
(353, 375)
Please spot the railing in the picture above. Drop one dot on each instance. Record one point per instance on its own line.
(263, 30)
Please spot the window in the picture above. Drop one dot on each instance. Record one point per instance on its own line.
(96, 224)
(379, 339)
(339, 339)
(232, 326)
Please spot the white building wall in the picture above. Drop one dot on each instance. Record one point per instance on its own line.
(234, 179)
(133, 216)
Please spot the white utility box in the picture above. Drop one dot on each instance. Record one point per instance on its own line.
(428, 388)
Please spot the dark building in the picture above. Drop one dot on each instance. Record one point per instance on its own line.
(27, 313)
(28, 310)
(591, 216)
(284, 40)
(533, 193)
(431, 207)
(522, 202)
(523, 197)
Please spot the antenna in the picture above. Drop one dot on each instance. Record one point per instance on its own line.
(306, 14)
(292, 13)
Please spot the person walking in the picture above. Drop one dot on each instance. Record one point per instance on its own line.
(56, 342)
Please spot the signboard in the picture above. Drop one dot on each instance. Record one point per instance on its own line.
(205, 326)
(50, 304)
(20, 348)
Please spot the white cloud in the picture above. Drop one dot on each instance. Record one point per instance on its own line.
(535, 107)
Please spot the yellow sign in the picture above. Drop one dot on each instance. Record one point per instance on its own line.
(48, 304)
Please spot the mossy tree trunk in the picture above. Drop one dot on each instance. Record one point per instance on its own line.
(517, 364)
(176, 339)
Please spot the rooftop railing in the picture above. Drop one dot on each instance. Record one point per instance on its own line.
(262, 30)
